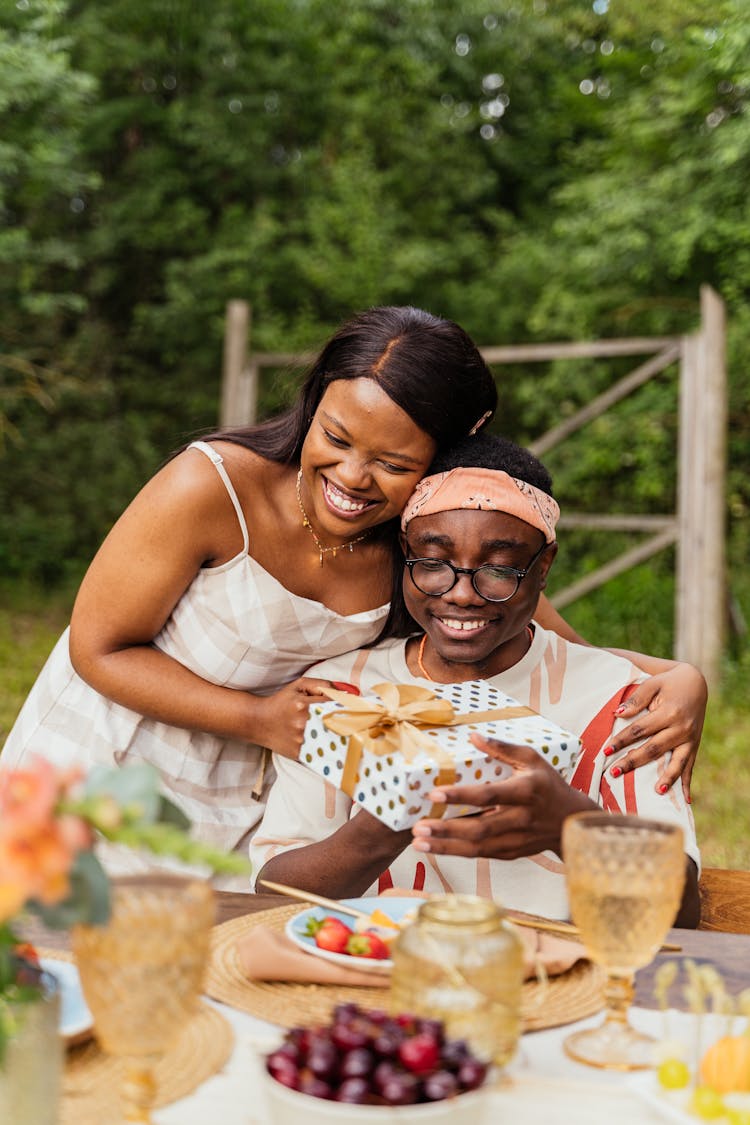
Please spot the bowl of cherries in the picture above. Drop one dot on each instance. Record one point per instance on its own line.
(368, 1066)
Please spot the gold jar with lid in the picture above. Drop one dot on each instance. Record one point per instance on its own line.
(460, 962)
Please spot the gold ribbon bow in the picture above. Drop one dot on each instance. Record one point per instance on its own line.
(394, 726)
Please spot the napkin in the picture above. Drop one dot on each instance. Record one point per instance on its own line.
(267, 954)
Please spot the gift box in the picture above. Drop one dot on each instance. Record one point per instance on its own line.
(388, 749)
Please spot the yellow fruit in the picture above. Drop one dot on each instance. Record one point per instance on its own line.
(706, 1103)
(726, 1065)
(378, 918)
(673, 1074)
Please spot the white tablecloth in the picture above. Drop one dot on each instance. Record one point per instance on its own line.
(544, 1085)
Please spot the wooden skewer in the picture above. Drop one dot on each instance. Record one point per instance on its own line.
(307, 896)
(562, 929)
(568, 930)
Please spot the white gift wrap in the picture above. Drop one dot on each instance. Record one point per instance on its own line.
(395, 790)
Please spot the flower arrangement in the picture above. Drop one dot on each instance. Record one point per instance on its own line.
(50, 820)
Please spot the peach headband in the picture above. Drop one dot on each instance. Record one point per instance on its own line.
(487, 490)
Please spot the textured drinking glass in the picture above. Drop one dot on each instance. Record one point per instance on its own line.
(141, 974)
(625, 877)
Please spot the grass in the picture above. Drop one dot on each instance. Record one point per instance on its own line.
(721, 781)
(31, 621)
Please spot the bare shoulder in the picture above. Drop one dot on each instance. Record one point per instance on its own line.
(189, 496)
(245, 467)
(188, 480)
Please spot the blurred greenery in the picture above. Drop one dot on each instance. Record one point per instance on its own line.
(534, 170)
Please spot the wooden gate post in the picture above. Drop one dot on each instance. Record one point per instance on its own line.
(239, 386)
(701, 504)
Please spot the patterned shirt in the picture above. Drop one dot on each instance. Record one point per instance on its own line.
(573, 685)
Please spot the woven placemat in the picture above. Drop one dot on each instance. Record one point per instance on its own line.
(559, 1000)
(91, 1078)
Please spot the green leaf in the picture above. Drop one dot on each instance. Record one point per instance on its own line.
(134, 787)
(170, 813)
(88, 901)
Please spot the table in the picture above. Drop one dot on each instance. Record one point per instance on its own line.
(543, 1086)
(730, 953)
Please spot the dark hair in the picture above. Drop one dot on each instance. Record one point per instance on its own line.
(492, 451)
(426, 364)
(482, 451)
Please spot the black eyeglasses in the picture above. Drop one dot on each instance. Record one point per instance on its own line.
(493, 583)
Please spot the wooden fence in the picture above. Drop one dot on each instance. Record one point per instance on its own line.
(696, 527)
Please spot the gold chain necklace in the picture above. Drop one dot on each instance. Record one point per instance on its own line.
(322, 551)
(420, 655)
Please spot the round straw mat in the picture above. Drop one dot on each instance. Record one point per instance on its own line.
(561, 999)
(91, 1078)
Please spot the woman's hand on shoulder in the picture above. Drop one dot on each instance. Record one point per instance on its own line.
(668, 712)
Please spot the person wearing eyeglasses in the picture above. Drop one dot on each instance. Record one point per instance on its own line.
(478, 536)
(259, 550)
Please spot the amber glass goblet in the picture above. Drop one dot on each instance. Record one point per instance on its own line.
(625, 877)
(141, 975)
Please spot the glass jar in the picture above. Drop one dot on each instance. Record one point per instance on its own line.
(31, 1071)
(461, 963)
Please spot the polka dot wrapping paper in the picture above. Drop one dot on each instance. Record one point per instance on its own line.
(394, 786)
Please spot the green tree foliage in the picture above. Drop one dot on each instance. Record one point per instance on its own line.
(43, 100)
(533, 169)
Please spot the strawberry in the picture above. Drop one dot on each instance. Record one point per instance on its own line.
(367, 944)
(330, 933)
(25, 951)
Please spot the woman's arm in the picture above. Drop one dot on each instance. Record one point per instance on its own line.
(670, 708)
(549, 618)
(180, 521)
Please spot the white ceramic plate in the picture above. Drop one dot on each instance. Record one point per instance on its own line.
(76, 1021)
(395, 908)
(672, 1104)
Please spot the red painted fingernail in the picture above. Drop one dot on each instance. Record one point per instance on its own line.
(689, 800)
(615, 771)
(619, 710)
(608, 751)
(340, 686)
(663, 788)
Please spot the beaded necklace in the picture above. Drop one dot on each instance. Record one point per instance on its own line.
(323, 550)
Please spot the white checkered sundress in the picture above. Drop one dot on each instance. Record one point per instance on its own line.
(235, 625)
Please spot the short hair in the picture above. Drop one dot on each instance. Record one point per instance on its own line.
(492, 451)
(480, 451)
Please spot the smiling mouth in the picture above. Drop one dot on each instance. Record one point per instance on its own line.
(463, 626)
(342, 501)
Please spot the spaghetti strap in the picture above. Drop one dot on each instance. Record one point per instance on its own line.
(218, 462)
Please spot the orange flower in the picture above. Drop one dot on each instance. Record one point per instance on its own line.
(37, 846)
(28, 797)
(12, 897)
(35, 865)
(76, 834)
